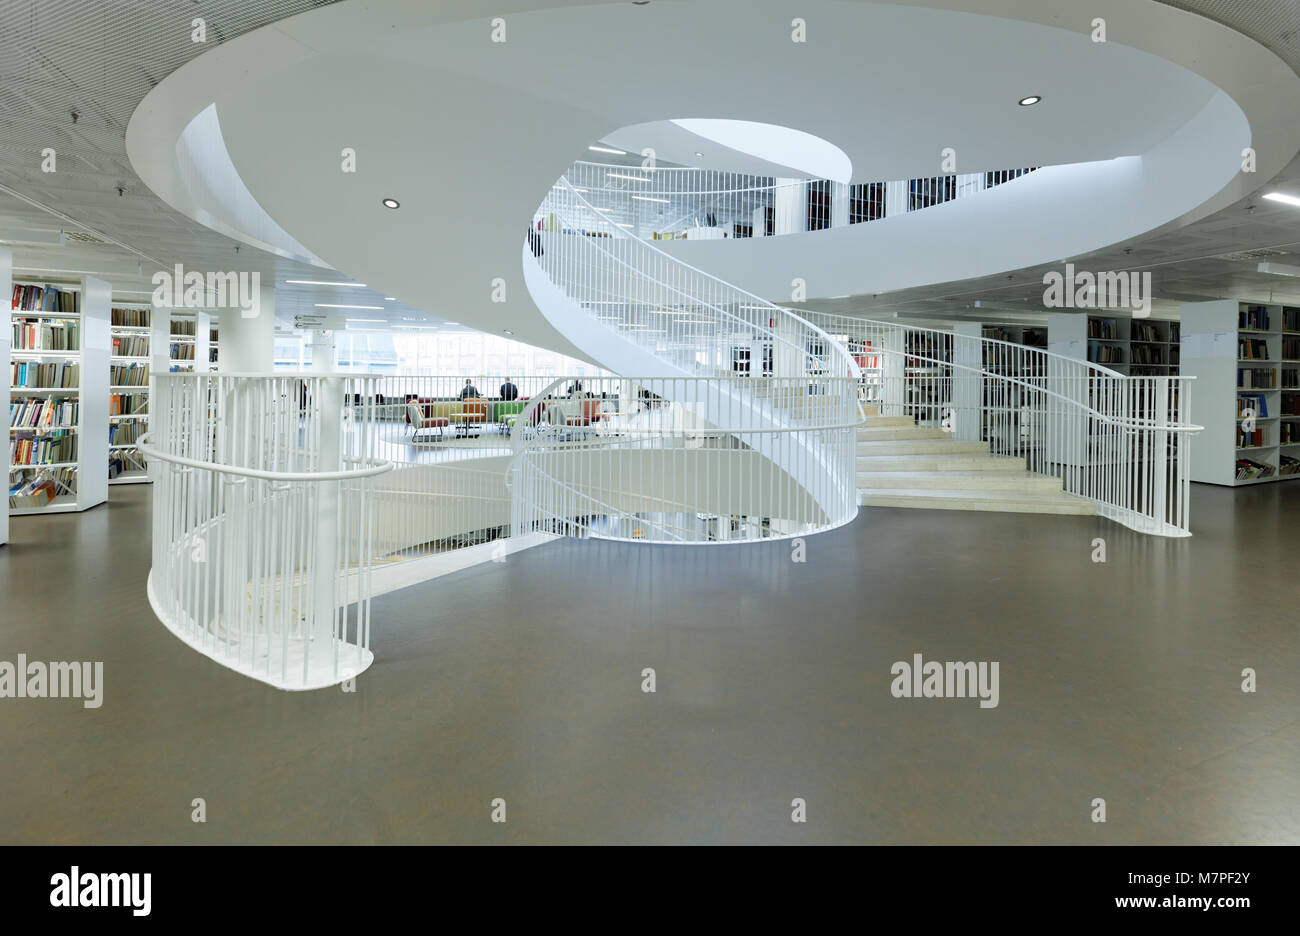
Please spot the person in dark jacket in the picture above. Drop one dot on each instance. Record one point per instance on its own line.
(469, 391)
(509, 391)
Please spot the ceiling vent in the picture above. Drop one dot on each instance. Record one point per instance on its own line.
(81, 237)
(1263, 253)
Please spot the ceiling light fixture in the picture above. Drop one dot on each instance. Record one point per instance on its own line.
(630, 178)
(428, 327)
(1283, 198)
(325, 283)
(390, 298)
(701, 155)
(606, 149)
(508, 331)
(328, 305)
(648, 198)
(391, 203)
(1279, 269)
(357, 321)
(1031, 100)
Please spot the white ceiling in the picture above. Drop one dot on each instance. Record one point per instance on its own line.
(101, 59)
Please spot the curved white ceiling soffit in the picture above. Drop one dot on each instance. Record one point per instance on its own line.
(469, 134)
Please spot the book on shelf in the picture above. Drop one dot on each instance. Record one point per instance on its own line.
(1252, 401)
(1256, 378)
(38, 376)
(47, 335)
(1252, 349)
(1290, 348)
(38, 488)
(182, 352)
(1146, 332)
(43, 413)
(1291, 318)
(128, 404)
(1289, 465)
(1105, 329)
(125, 432)
(128, 375)
(130, 318)
(1288, 433)
(130, 346)
(182, 328)
(45, 299)
(1252, 317)
(1248, 470)
(25, 450)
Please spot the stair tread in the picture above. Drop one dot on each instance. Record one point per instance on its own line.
(958, 475)
(960, 494)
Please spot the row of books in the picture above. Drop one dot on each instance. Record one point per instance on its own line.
(1291, 378)
(1289, 465)
(42, 450)
(35, 375)
(1252, 316)
(1290, 319)
(40, 489)
(1105, 354)
(1252, 439)
(1252, 349)
(45, 299)
(1290, 404)
(130, 318)
(1289, 433)
(1248, 470)
(129, 375)
(48, 413)
(1252, 404)
(1256, 378)
(184, 329)
(1146, 331)
(123, 461)
(46, 336)
(182, 352)
(127, 404)
(1147, 354)
(130, 346)
(1291, 349)
(126, 432)
(1106, 329)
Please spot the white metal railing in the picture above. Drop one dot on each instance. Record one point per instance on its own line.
(1120, 441)
(686, 460)
(263, 522)
(705, 204)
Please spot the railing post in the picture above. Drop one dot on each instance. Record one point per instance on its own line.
(1160, 456)
(324, 579)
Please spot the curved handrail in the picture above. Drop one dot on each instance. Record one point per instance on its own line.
(259, 474)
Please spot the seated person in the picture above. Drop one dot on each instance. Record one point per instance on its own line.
(509, 391)
(469, 391)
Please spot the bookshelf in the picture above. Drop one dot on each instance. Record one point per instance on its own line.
(58, 396)
(188, 341)
(214, 345)
(6, 288)
(1144, 347)
(130, 366)
(1240, 354)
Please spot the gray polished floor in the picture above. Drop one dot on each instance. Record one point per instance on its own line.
(523, 681)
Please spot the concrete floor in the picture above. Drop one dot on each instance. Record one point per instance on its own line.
(523, 681)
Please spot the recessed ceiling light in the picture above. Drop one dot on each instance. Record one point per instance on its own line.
(354, 321)
(1283, 198)
(390, 298)
(701, 155)
(508, 331)
(1031, 100)
(392, 203)
(328, 305)
(325, 283)
(451, 323)
(607, 149)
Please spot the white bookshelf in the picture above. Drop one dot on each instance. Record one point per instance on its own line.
(1143, 347)
(132, 329)
(81, 482)
(1235, 351)
(214, 345)
(189, 336)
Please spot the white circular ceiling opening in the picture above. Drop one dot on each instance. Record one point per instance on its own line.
(784, 146)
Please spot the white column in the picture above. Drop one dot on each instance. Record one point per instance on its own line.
(839, 205)
(248, 336)
(967, 384)
(790, 211)
(322, 351)
(92, 399)
(6, 292)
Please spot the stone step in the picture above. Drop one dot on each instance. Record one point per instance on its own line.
(960, 481)
(998, 501)
(941, 463)
(874, 422)
(887, 433)
(937, 446)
